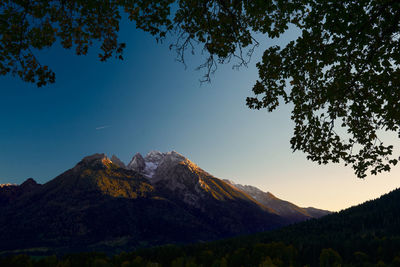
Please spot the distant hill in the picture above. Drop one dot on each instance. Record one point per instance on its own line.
(11, 192)
(101, 204)
(361, 227)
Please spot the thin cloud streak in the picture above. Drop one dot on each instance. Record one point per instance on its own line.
(102, 127)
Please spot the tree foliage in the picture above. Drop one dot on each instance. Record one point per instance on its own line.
(30, 25)
(341, 75)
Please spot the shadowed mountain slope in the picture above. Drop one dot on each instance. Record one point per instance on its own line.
(281, 207)
(10, 192)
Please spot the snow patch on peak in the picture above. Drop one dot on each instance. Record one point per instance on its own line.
(154, 156)
(147, 165)
(153, 160)
(150, 169)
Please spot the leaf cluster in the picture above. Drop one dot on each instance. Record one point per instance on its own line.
(27, 26)
(342, 77)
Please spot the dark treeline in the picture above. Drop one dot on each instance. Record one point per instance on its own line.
(376, 252)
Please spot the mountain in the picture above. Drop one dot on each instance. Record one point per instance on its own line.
(281, 207)
(11, 192)
(150, 166)
(101, 204)
(97, 204)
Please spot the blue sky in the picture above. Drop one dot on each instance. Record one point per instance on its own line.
(151, 102)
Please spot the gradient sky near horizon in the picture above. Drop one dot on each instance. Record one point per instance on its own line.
(148, 102)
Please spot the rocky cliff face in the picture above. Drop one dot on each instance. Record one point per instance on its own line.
(118, 162)
(150, 163)
(137, 163)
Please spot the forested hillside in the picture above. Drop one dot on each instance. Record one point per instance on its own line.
(365, 235)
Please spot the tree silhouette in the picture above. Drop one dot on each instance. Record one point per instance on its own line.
(341, 74)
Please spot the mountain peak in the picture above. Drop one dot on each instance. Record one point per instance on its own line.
(97, 176)
(154, 155)
(173, 157)
(98, 160)
(118, 162)
(150, 163)
(29, 183)
(95, 157)
(137, 163)
(169, 161)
